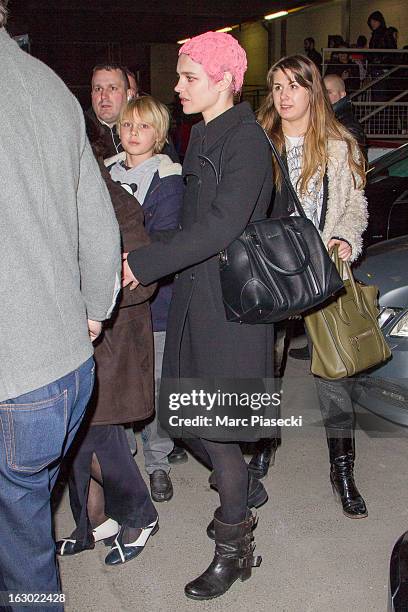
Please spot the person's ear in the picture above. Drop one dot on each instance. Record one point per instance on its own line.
(226, 81)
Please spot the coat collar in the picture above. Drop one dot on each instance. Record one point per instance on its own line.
(343, 108)
(216, 129)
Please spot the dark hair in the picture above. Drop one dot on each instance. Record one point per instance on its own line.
(309, 39)
(110, 67)
(3, 13)
(376, 16)
(335, 40)
(361, 41)
(130, 73)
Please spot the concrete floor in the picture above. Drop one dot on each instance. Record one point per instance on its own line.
(314, 558)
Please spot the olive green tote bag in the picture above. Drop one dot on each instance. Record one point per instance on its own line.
(345, 333)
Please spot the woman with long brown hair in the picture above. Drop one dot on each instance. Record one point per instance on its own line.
(327, 171)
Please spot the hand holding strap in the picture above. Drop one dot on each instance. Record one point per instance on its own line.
(341, 265)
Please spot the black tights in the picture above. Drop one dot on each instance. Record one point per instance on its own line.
(231, 473)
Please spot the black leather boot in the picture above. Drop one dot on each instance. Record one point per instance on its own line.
(264, 457)
(257, 497)
(178, 455)
(341, 452)
(233, 559)
(302, 353)
(398, 588)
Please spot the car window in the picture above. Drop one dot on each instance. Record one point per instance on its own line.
(399, 168)
(394, 163)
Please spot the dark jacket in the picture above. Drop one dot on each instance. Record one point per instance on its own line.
(316, 58)
(111, 140)
(343, 110)
(162, 208)
(123, 390)
(200, 342)
(381, 38)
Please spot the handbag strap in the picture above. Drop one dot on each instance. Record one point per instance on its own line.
(285, 174)
(341, 265)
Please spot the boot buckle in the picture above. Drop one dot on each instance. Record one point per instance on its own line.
(245, 562)
(253, 520)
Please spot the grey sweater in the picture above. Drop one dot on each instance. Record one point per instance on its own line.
(59, 239)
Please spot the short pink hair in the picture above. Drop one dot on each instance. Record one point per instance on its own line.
(218, 52)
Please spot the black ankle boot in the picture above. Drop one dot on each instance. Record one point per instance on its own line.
(264, 457)
(233, 559)
(257, 497)
(341, 452)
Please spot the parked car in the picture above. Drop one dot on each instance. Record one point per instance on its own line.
(387, 194)
(384, 390)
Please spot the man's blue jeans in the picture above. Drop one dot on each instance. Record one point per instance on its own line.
(36, 430)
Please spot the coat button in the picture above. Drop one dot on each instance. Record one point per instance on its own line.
(202, 162)
(176, 276)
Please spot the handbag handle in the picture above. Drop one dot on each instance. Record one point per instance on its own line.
(340, 265)
(285, 174)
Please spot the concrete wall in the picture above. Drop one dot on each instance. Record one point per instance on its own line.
(317, 22)
(395, 13)
(254, 38)
(163, 76)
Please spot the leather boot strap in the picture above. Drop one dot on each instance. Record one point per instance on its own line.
(251, 561)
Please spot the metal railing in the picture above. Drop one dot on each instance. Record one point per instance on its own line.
(254, 94)
(377, 82)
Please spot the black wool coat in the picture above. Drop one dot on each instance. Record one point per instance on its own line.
(233, 151)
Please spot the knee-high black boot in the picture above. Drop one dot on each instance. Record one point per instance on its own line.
(233, 559)
(342, 455)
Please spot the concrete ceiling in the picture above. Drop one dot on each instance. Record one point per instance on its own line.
(148, 21)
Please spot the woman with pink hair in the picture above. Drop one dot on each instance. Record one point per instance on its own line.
(228, 176)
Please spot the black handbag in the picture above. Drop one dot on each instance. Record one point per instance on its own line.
(277, 268)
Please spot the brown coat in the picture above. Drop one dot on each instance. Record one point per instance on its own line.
(124, 356)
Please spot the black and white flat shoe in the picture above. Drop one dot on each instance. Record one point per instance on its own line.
(106, 532)
(121, 553)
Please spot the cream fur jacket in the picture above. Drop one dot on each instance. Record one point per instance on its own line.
(346, 216)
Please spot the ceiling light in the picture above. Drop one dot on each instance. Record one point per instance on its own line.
(181, 42)
(276, 15)
(227, 29)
